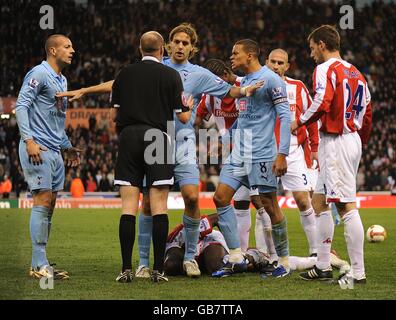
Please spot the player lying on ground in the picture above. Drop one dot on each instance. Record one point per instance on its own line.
(213, 253)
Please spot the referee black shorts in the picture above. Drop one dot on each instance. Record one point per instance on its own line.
(138, 158)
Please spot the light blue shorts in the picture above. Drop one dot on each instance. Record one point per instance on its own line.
(256, 175)
(50, 175)
(186, 168)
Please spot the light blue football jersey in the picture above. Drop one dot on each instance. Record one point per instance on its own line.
(254, 139)
(40, 116)
(196, 81)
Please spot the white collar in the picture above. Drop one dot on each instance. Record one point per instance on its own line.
(150, 58)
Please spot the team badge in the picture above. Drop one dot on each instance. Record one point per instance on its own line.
(242, 105)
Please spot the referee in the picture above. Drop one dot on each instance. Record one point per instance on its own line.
(146, 95)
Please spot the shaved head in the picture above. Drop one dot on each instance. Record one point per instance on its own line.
(151, 42)
(279, 52)
(53, 42)
(278, 61)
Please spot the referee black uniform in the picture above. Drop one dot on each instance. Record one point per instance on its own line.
(146, 94)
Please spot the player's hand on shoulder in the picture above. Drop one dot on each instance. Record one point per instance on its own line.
(250, 90)
(72, 95)
(33, 150)
(279, 167)
(72, 157)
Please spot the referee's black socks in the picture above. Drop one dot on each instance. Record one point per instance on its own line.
(160, 234)
(127, 239)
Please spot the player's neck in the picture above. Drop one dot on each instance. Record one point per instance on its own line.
(333, 54)
(55, 66)
(178, 62)
(253, 67)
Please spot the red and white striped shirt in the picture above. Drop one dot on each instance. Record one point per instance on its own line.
(342, 100)
(299, 101)
(224, 110)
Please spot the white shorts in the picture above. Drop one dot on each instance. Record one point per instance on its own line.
(339, 157)
(312, 178)
(296, 177)
(215, 237)
(244, 193)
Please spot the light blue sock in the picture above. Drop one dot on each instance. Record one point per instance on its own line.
(279, 235)
(39, 235)
(50, 214)
(191, 226)
(145, 229)
(229, 226)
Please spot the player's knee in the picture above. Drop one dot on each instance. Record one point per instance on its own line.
(256, 202)
(303, 204)
(220, 200)
(43, 199)
(318, 205)
(191, 202)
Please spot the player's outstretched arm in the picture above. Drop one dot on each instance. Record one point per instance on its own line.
(237, 92)
(104, 87)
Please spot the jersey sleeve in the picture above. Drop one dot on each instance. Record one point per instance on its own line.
(33, 83)
(366, 128)
(206, 82)
(203, 109)
(178, 105)
(324, 91)
(312, 128)
(277, 92)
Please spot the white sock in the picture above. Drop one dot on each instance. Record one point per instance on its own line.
(244, 224)
(325, 232)
(301, 263)
(354, 236)
(308, 222)
(236, 256)
(259, 234)
(267, 232)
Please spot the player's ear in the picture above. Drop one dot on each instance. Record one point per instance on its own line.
(287, 66)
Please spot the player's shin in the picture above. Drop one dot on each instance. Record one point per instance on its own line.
(191, 226)
(244, 224)
(160, 233)
(265, 233)
(325, 232)
(229, 227)
(308, 223)
(39, 235)
(281, 241)
(144, 238)
(354, 236)
(127, 238)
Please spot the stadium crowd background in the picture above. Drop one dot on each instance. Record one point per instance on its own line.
(105, 35)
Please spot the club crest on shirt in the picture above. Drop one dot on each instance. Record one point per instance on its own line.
(33, 83)
(242, 105)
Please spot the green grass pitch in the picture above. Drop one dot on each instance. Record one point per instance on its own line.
(85, 242)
